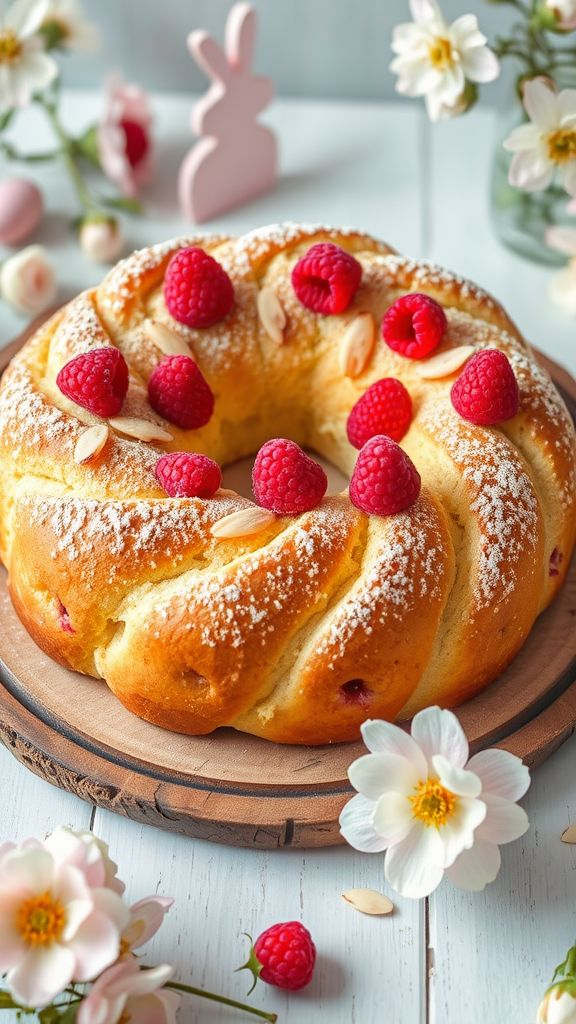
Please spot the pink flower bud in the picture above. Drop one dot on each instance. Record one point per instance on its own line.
(101, 239)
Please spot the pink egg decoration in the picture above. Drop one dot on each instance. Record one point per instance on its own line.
(21, 209)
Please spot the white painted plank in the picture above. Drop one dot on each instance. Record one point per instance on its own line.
(31, 807)
(365, 965)
(495, 951)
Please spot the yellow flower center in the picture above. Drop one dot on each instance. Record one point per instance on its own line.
(125, 949)
(433, 804)
(125, 1018)
(10, 47)
(562, 145)
(441, 53)
(40, 920)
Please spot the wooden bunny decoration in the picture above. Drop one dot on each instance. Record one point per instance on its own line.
(236, 157)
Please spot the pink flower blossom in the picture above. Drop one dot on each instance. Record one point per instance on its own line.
(54, 928)
(146, 917)
(124, 136)
(125, 992)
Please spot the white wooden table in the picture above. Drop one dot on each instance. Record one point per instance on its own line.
(456, 958)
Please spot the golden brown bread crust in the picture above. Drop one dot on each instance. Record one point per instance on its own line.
(301, 631)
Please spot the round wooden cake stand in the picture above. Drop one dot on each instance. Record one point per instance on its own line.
(237, 789)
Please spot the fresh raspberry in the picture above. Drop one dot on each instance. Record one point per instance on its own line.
(326, 278)
(197, 290)
(385, 480)
(179, 392)
(486, 391)
(385, 408)
(286, 480)
(284, 955)
(414, 325)
(97, 380)
(187, 475)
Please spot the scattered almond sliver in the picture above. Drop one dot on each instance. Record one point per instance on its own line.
(357, 344)
(90, 443)
(142, 430)
(368, 901)
(569, 835)
(272, 316)
(166, 340)
(242, 523)
(444, 364)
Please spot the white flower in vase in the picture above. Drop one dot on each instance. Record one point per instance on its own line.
(439, 61)
(66, 27)
(434, 811)
(563, 284)
(24, 66)
(544, 147)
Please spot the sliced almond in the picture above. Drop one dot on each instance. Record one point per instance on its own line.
(357, 344)
(90, 443)
(368, 901)
(569, 834)
(242, 523)
(444, 364)
(167, 341)
(142, 430)
(272, 316)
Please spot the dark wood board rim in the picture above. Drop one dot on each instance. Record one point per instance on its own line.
(176, 801)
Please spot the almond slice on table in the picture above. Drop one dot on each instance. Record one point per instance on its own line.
(445, 363)
(357, 344)
(90, 443)
(272, 316)
(142, 430)
(170, 343)
(368, 901)
(569, 834)
(242, 523)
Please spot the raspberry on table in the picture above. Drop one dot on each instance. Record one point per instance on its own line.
(326, 278)
(97, 380)
(414, 325)
(385, 480)
(486, 392)
(197, 290)
(385, 408)
(179, 392)
(285, 480)
(188, 475)
(284, 955)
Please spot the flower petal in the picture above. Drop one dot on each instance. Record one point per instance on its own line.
(562, 289)
(525, 136)
(24, 17)
(457, 780)
(95, 946)
(393, 817)
(357, 826)
(440, 732)
(384, 738)
(567, 105)
(501, 773)
(414, 866)
(375, 774)
(140, 982)
(531, 170)
(504, 821)
(568, 178)
(541, 104)
(464, 32)
(41, 975)
(480, 64)
(475, 868)
(458, 832)
(12, 948)
(30, 868)
(146, 918)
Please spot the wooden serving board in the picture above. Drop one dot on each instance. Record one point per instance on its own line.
(237, 789)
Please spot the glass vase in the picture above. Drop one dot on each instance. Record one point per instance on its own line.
(520, 218)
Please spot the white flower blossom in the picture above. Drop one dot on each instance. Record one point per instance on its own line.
(24, 66)
(434, 811)
(545, 146)
(438, 61)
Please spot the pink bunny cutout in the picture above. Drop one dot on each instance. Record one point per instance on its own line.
(236, 157)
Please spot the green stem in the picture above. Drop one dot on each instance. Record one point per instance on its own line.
(222, 999)
(68, 155)
(11, 153)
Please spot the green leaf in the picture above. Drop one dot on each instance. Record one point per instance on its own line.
(87, 146)
(69, 1014)
(123, 203)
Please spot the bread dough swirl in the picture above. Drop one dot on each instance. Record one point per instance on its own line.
(300, 632)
